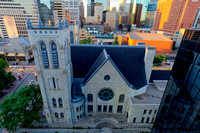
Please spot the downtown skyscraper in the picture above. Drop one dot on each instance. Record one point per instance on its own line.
(172, 15)
(73, 8)
(47, 14)
(151, 12)
(16, 12)
(179, 108)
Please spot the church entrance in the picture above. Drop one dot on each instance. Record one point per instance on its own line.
(105, 125)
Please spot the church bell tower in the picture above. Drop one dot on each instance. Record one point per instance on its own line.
(51, 49)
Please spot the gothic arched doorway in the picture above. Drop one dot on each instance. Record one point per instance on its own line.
(105, 125)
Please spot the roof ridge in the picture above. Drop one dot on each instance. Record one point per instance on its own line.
(93, 70)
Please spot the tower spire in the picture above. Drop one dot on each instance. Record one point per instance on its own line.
(66, 23)
(40, 23)
(29, 24)
(60, 24)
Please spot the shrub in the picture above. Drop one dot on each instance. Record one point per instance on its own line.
(158, 59)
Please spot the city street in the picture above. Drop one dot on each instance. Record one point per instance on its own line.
(28, 77)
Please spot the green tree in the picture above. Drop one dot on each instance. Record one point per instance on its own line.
(21, 108)
(86, 41)
(3, 63)
(114, 43)
(5, 78)
(89, 39)
(158, 59)
(10, 78)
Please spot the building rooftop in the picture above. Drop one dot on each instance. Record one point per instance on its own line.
(106, 36)
(148, 36)
(129, 60)
(152, 96)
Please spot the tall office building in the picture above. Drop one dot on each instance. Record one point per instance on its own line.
(151, 12)
(127, 7)
(73, 8)
(98, 14)
(123, 18)
(82, 12)
(197, 20)
(105, 3)
(10, 18)
(144, 8)
(111, 18)
(179, 108)
(59, 6)
(46, 10)
(88, 9)
(19, 10)
(122, 5)
(132, 9)
(92, 7)
(138, 13)
(172, 15)
(104, 15)
(107, 6)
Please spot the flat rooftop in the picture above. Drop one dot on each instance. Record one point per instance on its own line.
(148, 36)
(152, 96)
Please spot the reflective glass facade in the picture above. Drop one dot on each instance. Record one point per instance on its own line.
(46, 8)
(179, 110)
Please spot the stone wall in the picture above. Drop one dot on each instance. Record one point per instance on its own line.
(61, 74)
(137, 111)
(116, 83)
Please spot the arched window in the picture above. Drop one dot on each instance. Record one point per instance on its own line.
(61, 115)
(121, 98)
(56, 115)
(54, 55)
(44, 55)
(77, 109)
(54, 83)
(72, 37)
(60, 102)
(54, 102)
(90, 98)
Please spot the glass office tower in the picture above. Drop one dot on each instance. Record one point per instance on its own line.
(46, 10)
(179, 110)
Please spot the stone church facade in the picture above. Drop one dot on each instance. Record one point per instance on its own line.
(81, 81)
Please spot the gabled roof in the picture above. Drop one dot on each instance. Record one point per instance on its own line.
(128, 59)
(101, 60)
(103, 57)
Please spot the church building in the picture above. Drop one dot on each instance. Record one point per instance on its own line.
(96, 82)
